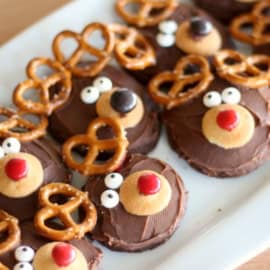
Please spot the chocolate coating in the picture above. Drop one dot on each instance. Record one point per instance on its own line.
(168, 57)
(122, 231)
(30, 238)
(74, 117)
(54, 171)
(262, 49)
(186, 138)
(224, 10)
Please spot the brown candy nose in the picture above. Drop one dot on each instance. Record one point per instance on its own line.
(16, 169)
(227, 119)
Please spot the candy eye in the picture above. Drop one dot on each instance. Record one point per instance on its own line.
(109, 198)
(103, 84)
(11, 146)
(165, 40)
(113, 180)
(89, 95)
(24, 254)
(212, 99)
(168, 27)
(231, 95)
(23, 266)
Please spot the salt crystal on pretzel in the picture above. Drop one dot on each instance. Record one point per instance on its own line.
(145, 14)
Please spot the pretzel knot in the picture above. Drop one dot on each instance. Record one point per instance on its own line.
(75, 200)
(46, 104)
(132, 49)
(259, 22)
(191, 76)
(91, 165)
(15, 124)
(75, 62)
(9, 226)
(252, 71)
(148, 13)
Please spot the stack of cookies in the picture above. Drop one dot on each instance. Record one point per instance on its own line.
(177, 66)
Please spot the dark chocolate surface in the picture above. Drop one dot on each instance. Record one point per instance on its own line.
(54, 171)
(29, 237)
(74, 117)
(168, 57)
(186, 138)
(122, 231)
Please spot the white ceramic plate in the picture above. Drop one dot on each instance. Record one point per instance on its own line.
(227, 221)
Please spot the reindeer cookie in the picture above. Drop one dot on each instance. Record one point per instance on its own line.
(139, 206)
(174, 30)
(27, 250)
(222, 127)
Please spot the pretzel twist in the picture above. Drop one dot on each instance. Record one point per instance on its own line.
(259, 22)
(46, 104)
(132, 50)
(185, 86)
(17, 126)
(76, 200)
(118, 144)
(241, 70)
(145, 15)
(9, 225)
(75, 62)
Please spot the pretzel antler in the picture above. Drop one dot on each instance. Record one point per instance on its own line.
(132, 50)
(118, 144)
(185, 85)
(145, 14)
(46, 104)
(252, 71)
(9, 225)
(72, 63)
(259, 23)
(15, 125)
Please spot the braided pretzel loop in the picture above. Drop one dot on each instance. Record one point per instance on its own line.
(90, 166)
(9, 225)
(46, 104)
(259, 22)
(184, 85)
(76, 199)
(132, 50)
(252, 71)
(75, 62)
(148, 13)
(16, 125)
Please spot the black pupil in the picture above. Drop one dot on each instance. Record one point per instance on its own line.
(89, 91)
(210, 96)
(8, 144)
(21, 266)
(112, 176)
(24, 249)
(230, 93)
(110, 196)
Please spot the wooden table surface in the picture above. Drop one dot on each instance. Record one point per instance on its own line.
(16, 15)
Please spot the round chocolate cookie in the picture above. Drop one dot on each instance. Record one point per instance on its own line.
(140, 206)
(187, 30)
(225, 10)
(27, 253)
(223, 132)
(24, 170)
(113, 93)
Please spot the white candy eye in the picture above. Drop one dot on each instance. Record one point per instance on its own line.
(168, 27)
(2, 152)
(89, 95)
(103, 84)
(212, 99)
(165, 40)
(11, 146)
(23, 266)
(109, 198)
(24, 254)
(231, 95)
(113, 180)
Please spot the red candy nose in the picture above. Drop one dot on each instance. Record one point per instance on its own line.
(63, 254)
(149, 184)
(16, 169)
(227, 119)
